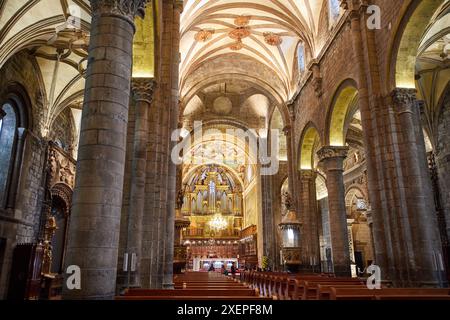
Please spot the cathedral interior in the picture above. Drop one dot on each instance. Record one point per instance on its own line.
(147, 141)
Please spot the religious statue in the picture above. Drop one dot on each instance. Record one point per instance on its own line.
(180, 199)
(50, 228)
(287, 201)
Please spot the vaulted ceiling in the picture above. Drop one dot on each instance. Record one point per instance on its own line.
(58, 42)
(433, 65)
(267, 31)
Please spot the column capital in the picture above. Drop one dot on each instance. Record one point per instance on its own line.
(143, 89)
(21, 132)
(287, 130)
(126, 8)
(329, 152)
(178, 5)
(291, 109)
(404, 96)
(307, 174)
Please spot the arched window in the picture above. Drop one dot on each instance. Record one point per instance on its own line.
(13, 125)
(334, 11)
(301, 57)
(8, 133)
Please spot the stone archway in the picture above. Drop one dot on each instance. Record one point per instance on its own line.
(409, 35)
(345, 98)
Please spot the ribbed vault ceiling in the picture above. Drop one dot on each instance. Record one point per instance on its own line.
(268, 31)
(60, 48)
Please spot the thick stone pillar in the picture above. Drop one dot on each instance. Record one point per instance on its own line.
(93, 235)
(142, 90)
(332, 159)
(269, 228)
(173, 125)
(426, 249)
(291, 160)
(310, 221)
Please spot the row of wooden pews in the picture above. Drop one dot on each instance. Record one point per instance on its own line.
(197, 286)
(283, 286)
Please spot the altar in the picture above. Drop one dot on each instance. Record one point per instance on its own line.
(203, 264)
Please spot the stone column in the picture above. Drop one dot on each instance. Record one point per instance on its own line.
(269, 229)
(142, 90)
(369, 215)
(426, 248)
(332, 159)
(95, 221)
(310, 221)
(172, 169)
(21, 136)
(291, 171)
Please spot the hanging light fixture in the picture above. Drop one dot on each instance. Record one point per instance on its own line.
(218, 222)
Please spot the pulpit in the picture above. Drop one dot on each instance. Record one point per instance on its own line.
(25, 279)
(290, 234)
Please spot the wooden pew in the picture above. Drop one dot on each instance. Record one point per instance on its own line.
(232, 298)
(340, 293)
(324, 290)
(308, 289)
(191, 292)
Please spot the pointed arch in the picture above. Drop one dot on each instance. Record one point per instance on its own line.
(342, 106)
(308, 143)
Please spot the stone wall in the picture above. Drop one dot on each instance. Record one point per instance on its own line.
(63, 130)
(21, 224)
(443, 157)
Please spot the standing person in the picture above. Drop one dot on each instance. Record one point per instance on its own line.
(233, 269)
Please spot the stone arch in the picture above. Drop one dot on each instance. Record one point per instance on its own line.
(18, 95)
(341, 107)
(407, 41)
(64, 193)
(15, 120)
(308, 141)
(229, 170)
(353, 191)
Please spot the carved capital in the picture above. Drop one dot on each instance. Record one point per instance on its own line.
(287, 130)
(21, 133)
(291, 109)
(329, 152)
(126, 8)
(317, 85)
(178, 5)
(307, 175)
(404, 96)
(143, 89)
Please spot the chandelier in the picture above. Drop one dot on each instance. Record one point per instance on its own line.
(218, 222)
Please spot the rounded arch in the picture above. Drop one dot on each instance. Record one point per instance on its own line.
(189, 91)
(16, 94)
(309, 139)
(188, 175)
(354, 191)
(407, 41)
(63, 193)
(321, 186)
(342, 105)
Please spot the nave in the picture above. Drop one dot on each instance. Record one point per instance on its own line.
(145, 144)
